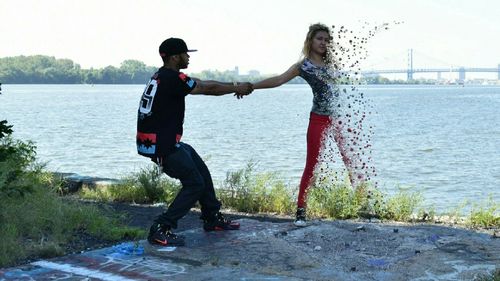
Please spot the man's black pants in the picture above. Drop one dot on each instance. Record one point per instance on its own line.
(187, 166)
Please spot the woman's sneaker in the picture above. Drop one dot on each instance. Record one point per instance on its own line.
(163, 236)
(218, 222)
(300, 217)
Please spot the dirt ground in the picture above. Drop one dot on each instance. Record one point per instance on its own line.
(272, 248)
(344, 250)
(142, 216)
(135, 215)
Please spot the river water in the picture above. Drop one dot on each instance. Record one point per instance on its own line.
(441, 140)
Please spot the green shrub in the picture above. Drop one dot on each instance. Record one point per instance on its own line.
(9, 247)
(34, 220)
(15, 157)
(246, 192)
(485, 214)
(337, 200)
(41, 222)
(403, 205)
(5, 130)
(145, 186)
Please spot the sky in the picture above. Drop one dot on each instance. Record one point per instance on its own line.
(263, 35)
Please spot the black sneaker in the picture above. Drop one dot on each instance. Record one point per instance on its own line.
(163, 236)
(300, 217)
(218, 222)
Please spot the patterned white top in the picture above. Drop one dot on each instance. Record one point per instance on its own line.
(322, 82)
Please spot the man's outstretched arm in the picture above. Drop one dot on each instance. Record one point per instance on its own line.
(216, 88)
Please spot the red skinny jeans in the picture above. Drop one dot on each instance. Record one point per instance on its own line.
(315, 137)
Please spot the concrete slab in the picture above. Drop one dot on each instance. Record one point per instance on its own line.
(324, 250)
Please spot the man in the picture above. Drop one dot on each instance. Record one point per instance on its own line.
(159, 132)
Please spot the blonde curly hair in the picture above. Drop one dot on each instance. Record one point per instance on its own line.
(313, 30)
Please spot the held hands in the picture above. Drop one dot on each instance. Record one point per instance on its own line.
(243, 89)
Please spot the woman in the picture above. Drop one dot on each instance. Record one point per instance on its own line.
(318, 73)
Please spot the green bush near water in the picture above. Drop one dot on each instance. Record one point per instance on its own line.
(245, 190)
(34, 220)
(145, 186)
(485, 214)
(341, 201)
(262, 193)
(336, 201)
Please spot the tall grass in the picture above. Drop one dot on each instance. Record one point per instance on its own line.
(336, 201)
(34, 220)
(145, 186)
(246, 192)
(485, 214)
(402, 205)
(40, 223)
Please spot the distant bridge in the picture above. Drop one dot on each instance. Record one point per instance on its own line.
(410, 70)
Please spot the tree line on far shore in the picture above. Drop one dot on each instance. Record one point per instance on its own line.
(40, 69)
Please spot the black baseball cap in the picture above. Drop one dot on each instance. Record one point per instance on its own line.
(173, 46)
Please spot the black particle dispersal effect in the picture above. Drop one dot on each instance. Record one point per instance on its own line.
(350, 133)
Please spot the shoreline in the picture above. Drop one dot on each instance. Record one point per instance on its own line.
(75, 182)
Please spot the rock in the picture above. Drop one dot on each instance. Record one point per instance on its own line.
(72, 182)
(317, 248)
(360, 228)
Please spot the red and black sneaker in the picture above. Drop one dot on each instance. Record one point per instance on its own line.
(218, 223)
(163, 236)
